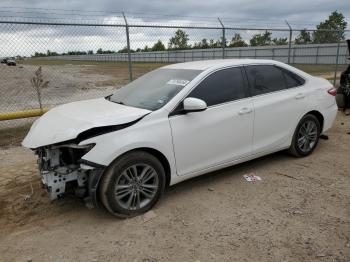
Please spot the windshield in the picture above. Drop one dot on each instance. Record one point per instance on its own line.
(154, 89)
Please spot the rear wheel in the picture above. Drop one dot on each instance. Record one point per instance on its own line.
(132, 184)
(306, 136)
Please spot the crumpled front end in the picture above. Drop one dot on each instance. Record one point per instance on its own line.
(63, 171)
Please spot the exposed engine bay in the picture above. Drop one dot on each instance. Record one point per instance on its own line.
(62, 171)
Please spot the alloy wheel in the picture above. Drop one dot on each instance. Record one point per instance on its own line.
(307, 136)
(136, 186)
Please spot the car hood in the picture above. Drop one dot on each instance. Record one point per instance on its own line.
(67, 121)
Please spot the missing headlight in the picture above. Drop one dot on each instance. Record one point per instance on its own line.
(59, 166)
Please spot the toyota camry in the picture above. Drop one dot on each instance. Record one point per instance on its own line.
(174, 123)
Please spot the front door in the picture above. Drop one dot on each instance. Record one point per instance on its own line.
(221, 133)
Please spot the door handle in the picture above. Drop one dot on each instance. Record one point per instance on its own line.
(245, 110)
(299, 96)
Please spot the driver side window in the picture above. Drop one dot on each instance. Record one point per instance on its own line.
(221, 87)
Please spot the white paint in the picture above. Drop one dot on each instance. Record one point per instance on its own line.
(197, 142)
(67, 121)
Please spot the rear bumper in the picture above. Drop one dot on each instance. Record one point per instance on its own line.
(329, 116)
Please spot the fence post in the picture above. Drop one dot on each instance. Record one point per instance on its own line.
(337, 59)
(317, 53)
(290, 40)
(223, 44)
(128, 46)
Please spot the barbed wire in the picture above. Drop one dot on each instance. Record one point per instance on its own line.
(143, 17)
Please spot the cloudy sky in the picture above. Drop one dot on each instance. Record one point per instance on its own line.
(248, 13)
(305, 11)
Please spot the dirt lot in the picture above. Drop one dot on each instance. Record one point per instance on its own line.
(68, 81)
(300, 211)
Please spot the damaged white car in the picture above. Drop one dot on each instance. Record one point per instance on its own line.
(175, 123)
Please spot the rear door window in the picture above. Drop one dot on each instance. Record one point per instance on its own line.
(265, 79)
(292, 80)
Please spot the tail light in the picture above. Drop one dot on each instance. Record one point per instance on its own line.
(332, 91)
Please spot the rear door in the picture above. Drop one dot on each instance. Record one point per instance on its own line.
(221, 133)
(279, 101)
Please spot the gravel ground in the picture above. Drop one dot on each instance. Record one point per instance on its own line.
(66, 83)
(300, 211)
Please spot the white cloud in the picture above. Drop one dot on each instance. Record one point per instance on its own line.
(26, 39)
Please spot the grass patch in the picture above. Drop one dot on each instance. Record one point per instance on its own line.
(13, 136)
(326, 71)
(95, 63)
(319, 69)
(309, 68)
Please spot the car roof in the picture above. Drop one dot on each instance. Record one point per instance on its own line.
(218, 63)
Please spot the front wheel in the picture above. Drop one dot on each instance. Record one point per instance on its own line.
(306, 136)
(132, 184)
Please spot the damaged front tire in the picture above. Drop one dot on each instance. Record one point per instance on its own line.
(132, 184)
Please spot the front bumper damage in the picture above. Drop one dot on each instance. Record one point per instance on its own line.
(63, 171)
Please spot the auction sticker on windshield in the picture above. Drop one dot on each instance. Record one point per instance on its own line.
(178, 82)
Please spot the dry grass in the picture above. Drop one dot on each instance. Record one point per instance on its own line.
(119, 65)
(326, 71)
(323, 69)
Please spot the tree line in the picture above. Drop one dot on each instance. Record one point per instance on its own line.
(180, 41)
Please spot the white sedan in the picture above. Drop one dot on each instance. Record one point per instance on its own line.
(177, 122)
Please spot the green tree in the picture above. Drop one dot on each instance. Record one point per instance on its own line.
(100, 51)
(203, 44)
(304, 37)
(179, 40)
(237, 41)
(159, 46)
(38, 54)
(123, 50)
(336, 21)
(146, 49)
(212, 43)
(49, 53)
(280, 41)
(90, 52)
(261, 39)
(219, 42)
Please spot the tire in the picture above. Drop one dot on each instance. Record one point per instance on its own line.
(122, 191)
(308, 128)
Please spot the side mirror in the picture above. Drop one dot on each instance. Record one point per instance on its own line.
(192, 104)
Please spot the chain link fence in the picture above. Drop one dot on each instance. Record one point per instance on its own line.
(87, 60)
